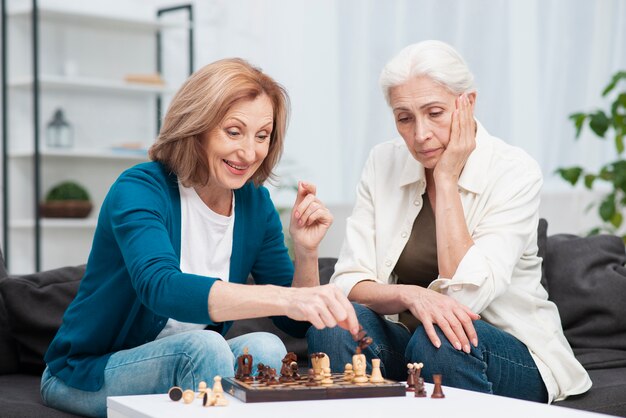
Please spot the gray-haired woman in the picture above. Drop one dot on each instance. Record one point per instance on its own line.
(443, 241)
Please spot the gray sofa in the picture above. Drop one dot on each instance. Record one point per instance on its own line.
(585, 277)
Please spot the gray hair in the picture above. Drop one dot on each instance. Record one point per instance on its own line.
(434, 59)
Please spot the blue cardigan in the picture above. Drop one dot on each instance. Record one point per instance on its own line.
(133, 282)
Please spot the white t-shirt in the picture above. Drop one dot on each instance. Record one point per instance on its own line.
(206, 244)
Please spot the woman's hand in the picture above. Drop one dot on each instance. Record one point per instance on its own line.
(323, 306)
(454, 319)
(462, 142)
(310, 219)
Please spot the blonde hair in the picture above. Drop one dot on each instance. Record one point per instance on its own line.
(202, 103)
(434, 59)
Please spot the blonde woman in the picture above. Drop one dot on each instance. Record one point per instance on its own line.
(176, 239)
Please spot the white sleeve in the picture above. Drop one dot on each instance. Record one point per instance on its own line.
(501, 238)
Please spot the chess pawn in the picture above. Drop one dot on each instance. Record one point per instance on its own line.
(358, 365)
(201, 388)
(175, 393)
(437, 390)
(377, 376)
(311, 379)
(327, 380)
(348, 373)
(217, 397)
(188, 396)
(420, 389)
(410, 378)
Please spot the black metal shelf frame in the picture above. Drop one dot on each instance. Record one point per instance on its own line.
(36, 116)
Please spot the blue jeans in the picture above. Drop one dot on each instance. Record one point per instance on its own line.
(501, 364)
(178, 360)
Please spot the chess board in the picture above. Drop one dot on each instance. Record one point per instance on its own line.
(298, 391)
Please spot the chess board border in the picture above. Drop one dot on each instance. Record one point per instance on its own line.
(248, 394)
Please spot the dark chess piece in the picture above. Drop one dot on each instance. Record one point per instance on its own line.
(271, 377)
(311, 379)
(286, 372)
(420, 389)
(175, 393)
(363, 341)
(410, 378)
(437, 390)
(244, 367)
(260, 372)
(294, 370)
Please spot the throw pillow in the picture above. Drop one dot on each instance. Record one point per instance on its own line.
(34, 306)
(587, 281)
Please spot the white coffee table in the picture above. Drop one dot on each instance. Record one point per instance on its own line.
(457, 403)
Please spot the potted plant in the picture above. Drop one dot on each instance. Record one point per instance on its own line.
(613, 122)
(66, 200)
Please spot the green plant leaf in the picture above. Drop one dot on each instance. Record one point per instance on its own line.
(571, 174)
(589, 179)
(619, 141)
(616, 78)
(599, 123)
(579, 120)
(616, 219)
(594, 231)
(607, 208)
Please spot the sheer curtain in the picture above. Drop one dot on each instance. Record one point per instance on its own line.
(535, 62)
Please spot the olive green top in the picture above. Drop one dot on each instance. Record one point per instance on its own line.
(417, 264)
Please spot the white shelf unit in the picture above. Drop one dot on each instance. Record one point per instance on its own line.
(83, 60)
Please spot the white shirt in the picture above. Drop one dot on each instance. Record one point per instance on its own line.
(499, 276)
(206, 244)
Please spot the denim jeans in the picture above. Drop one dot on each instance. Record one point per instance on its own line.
(501, 364)
(178, 360)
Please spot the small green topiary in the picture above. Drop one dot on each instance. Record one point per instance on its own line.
(68, 190)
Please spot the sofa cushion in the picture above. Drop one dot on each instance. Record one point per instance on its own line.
(586, 279)
(34, 310)
(606, 396)
(20, 397)
(9, 362)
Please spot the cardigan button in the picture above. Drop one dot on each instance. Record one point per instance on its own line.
(404, 235)
(388, 263)
(416, 203)
(457, 287)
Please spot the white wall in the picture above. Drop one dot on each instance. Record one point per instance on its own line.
(535, 62)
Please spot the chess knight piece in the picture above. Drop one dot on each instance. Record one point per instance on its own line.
(358, 366)
(286, 370)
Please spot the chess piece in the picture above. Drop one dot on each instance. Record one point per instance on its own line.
(319, 361)
(294, 370)
(358, 365)
(311, 379)
(437, 390)
(201, 389)
(188, 396)
(410, 378)
(217, 397)
(363, 341)
(377, 376)
(420, 389)
(271, 377)
(175, 393)
(286, 371)
(260, 372)
(327, 380)
(244, 367)
(348, 373)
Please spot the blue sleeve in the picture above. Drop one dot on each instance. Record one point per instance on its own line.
(273, 266)
(143, 223)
